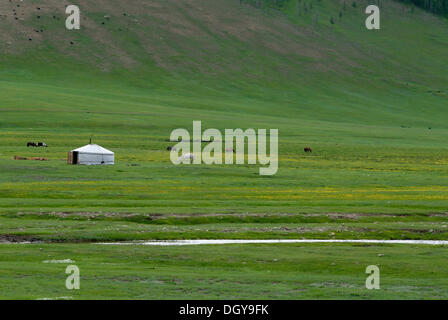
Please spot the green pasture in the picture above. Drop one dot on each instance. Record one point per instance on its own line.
(225, 272)
(372, 105)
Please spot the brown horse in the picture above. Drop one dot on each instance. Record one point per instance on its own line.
(308, 149)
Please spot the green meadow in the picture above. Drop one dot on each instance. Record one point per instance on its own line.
(372, 105)
(225, 272)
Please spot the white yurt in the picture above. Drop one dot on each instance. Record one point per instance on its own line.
(91, 154)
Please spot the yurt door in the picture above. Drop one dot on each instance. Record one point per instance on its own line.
(75, 157)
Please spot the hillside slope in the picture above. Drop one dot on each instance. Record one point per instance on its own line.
(291, 56)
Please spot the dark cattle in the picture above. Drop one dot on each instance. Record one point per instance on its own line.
(307, 149)
(42, 144)
(31, 144)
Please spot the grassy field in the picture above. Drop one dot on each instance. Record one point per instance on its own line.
(363, 168)
(371, 104)
(226, 272)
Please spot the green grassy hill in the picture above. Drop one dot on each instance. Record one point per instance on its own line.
(247, 57)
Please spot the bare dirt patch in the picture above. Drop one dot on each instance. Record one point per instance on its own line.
(7, 238)
(333, 215)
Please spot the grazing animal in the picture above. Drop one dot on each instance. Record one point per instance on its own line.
(308, 149)
(31, 144)
(42, 144)
(32, 158)
(171, 148)
(186, 156)
(38, 159)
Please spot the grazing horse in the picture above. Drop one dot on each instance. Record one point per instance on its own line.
(308, 149)
(31, 144)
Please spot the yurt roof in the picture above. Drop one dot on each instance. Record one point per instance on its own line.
(94, 149)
